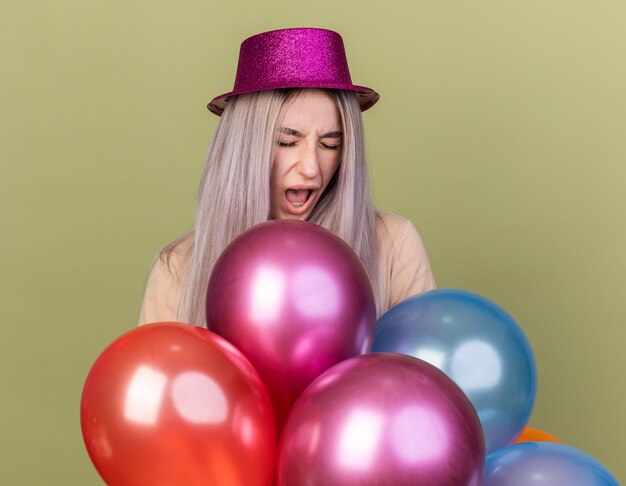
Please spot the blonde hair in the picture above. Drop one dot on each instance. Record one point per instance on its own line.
(234, 191)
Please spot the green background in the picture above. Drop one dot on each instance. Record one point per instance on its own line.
(500, 132)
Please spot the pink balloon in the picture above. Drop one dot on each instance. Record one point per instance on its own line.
(295, 300)
(382, 418)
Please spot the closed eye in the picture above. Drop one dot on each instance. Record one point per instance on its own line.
(331, 147)
(325, 145)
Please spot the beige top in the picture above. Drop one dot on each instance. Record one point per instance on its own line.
(402, 261)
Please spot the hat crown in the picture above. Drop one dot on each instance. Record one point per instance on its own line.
(292, 57)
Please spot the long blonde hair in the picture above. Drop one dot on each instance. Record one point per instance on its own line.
(234, 191)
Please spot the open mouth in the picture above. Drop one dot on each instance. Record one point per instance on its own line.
(298, 199)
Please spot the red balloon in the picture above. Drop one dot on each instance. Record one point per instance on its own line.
(171, 403)
(295, 299)
(382, 418)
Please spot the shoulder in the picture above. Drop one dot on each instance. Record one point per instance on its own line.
(402, 254)
(390, 226)
(398, 239)
(173, 260)
(169, 269)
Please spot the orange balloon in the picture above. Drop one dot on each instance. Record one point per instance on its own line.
(532, 434)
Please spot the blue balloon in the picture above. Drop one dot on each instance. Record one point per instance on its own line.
(545, 463)
(478, 345)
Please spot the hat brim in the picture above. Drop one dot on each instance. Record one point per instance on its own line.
(367, 97)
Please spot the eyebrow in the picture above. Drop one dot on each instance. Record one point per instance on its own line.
(296, 133)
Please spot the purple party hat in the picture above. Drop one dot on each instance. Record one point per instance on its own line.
(293, 58)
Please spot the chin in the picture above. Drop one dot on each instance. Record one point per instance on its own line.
(284, 213)
(302, 217)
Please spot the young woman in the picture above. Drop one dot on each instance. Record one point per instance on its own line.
(289, 145)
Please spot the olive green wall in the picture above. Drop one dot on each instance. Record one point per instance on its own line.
(500, 132)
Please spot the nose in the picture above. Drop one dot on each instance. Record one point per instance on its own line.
(308, 162)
